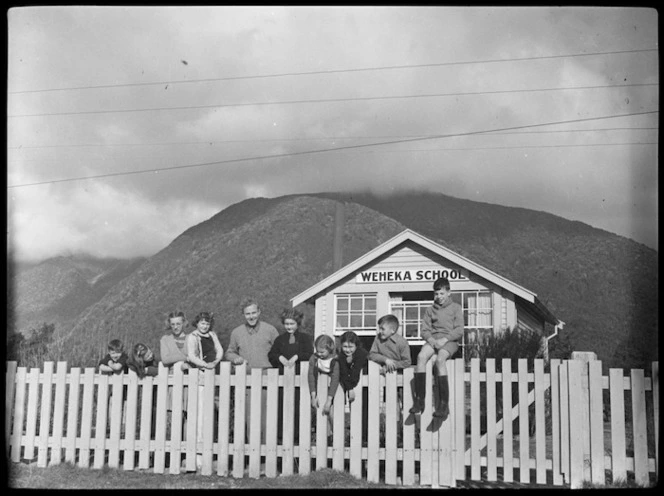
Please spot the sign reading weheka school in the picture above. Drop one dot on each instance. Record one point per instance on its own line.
(410, 275)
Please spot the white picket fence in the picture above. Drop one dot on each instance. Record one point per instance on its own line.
(563, 426)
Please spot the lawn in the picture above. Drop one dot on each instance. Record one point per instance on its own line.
(67, 476)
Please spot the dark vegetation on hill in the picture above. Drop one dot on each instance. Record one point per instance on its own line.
(269, 249)
(603, 286)
(57, 290)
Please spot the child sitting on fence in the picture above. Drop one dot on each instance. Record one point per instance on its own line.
(115, 361)
(389, 349)
(324, 361)
(141, 361)
(442, 327)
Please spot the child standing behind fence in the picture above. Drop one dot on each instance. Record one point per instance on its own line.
(351, 362)
(204, 351)
(141, 361)
(324, 361)
(115, 361)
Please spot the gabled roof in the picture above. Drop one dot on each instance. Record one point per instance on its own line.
(406, 236)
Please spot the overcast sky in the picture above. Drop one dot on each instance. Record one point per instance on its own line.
(232, 98)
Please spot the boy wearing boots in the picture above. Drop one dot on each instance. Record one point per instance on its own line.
(442, 327)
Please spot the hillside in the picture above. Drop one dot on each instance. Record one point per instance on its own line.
(271, 249)
(603, 286)
(57, 290)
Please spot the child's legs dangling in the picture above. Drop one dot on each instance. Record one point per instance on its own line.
(442, 384)
(419, 389)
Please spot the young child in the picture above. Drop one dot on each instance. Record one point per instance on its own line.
(442, 327)
(352, 360)
(390, 349)
(291, 346)
(324, 361)
(204, 350)
(172, 346)
(141, 361)
(115, 361)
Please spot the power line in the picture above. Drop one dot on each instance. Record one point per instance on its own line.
(325, 150)
(323, 138)
(582, 145)
(333, 100)
(334, 71)
(474, 148)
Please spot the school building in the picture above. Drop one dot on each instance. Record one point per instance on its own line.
(397, 277)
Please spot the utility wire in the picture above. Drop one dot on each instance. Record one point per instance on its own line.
(331, 100)
(334, 71)
(324, 138)
(508, 147)
(412, 150)
(325, 150)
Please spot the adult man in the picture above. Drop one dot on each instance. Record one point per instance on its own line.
(250, 343)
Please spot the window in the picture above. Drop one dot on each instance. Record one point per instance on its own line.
(356, 312)
(410, 314)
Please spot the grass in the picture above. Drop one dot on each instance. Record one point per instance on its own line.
(68, 476)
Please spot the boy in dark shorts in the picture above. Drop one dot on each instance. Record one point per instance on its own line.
(442, 327)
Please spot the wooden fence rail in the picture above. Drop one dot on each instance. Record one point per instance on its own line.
(560, 426)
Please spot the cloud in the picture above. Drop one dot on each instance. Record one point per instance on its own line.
(96, 219)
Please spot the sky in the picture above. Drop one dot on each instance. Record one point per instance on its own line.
(128, 125)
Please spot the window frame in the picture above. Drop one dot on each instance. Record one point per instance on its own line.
(364, 329)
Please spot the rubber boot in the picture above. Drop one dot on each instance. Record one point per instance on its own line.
(420, 391)
(442, 409)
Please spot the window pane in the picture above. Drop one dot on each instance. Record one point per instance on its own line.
(342, 303)
(356, 321)
(484, 318)
(370, 303)
(342, 320)
(411, 331)
(356, 303)
(370, 321)
(411, 313)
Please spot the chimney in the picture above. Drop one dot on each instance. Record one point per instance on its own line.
(339, 221)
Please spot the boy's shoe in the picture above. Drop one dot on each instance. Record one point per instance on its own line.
(418, 406)
(442, 411)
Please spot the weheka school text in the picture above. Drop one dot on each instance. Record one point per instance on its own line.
(407, 275)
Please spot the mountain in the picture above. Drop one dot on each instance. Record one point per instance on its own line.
(270, 249)
(57, 290)
(603, 286)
